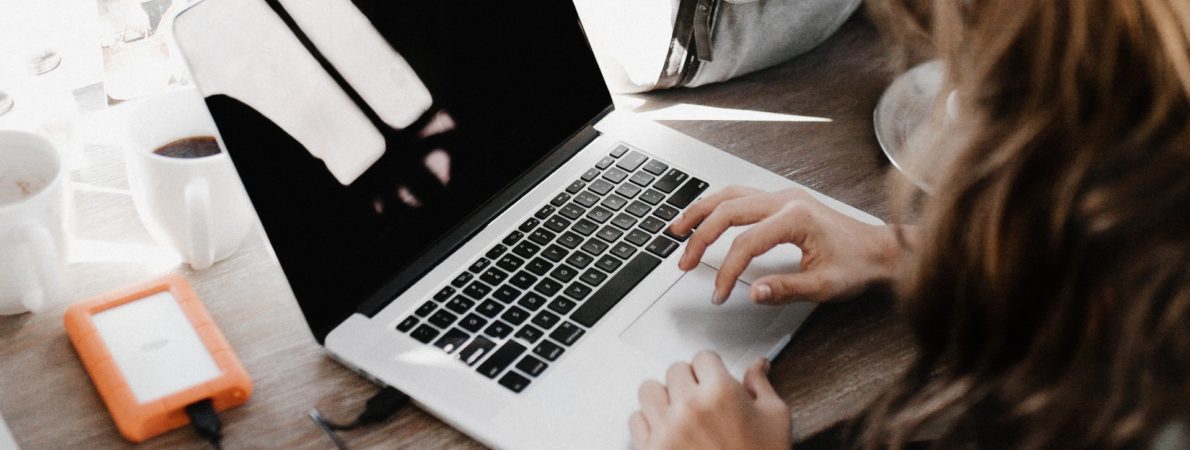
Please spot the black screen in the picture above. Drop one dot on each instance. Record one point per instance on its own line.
(514, 79)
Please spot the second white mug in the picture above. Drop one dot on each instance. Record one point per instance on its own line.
(192, 203)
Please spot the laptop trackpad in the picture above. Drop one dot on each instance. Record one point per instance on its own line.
(684, 321)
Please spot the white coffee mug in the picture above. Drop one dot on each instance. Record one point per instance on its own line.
(197, 206)
(32, 222)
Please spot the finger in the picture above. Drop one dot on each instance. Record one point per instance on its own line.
(680, 382)
(756, 381)
(709, 368)
(811, 286)
(654, 401)
(699, 210)
(787, 226)
(731, 213)
(638, 427)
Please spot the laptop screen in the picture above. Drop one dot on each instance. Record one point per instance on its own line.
(507, 83)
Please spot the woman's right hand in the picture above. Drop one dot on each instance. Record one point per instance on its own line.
(841, 256)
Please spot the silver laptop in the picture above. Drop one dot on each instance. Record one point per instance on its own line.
(504, 259)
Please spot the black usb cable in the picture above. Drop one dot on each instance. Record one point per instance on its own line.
(206, 422)
(378, 409)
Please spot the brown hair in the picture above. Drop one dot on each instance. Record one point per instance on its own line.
(1049, 291)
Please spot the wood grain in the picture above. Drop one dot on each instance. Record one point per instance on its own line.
(840, 359)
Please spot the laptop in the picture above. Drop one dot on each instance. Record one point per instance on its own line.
(503, 256)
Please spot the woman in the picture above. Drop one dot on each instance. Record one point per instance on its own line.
(1047, 283)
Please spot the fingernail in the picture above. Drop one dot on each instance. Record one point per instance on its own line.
(763, 293)
(718, 298)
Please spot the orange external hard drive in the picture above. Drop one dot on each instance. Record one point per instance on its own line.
(152, 350)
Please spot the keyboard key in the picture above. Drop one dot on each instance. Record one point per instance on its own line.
(541, 237)
(479, 265)
(548, 287)
(407, 324)
(526, 249)
(531, 301)
(613, 202)
(459, 304)
(595, 246)
(665, 212)
(564, 273)
(637, 237)
(473, 323)
(576, 186)
(615, 175)
(498, 330)
(567, 333)
(687, 193)
(444, 294)
(496, 251)
(586, 198)
(514, 382)
(642, 179)
(501, 359)
(572, 211)
(515, 316)
(616, 288)
(493, 276)
(531, 365)
(590, 174)
(619, 151)
(585, 227)
(624, 221)
(570, 240)
(425, 309)
(601, 187)
(652, 224)
(652, 197)
(506, 294)
(462, 279)
(556, 224)
(623, 250)
(490, 308)
(679, 238)
(655, 167)
(561, 306)
(529, 225)
(545, 320)
(579, 259)
(512, 238)
(544, 212)
(539, 266)
(510, 263)
(476, 290)
(476, 350)
(599, 215)
(560, 199)
(442, 319)
(548, 350)
(593, 277)
(424, 334)
(577, 291)
(522, 280)
(605, 162)
(610, 233)
(638, 208)
(631, 161)
(662, 246)
(555, 253)
(530, 333)
(670, 181)
(628, 190)
(452, 340)
(609, 263)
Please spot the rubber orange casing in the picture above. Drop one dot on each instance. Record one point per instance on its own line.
(139, 422)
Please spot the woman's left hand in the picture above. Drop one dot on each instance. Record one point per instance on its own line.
(702, 406)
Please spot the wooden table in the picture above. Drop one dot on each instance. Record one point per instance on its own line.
(840, 359)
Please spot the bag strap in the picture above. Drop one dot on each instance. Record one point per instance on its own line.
(693, 25)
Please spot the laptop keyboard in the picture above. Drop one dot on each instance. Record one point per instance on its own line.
(534, 294)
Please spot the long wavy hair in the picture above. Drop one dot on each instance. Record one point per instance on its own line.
(1049, 292)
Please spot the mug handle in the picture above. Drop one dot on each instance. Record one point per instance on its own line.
(198, 223)
(43, 253)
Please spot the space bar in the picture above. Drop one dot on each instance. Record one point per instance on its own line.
(615, 290)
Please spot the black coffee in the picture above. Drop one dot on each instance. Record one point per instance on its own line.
(191, 147)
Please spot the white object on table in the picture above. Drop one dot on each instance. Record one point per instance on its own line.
(6, 440)
(32, 222)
